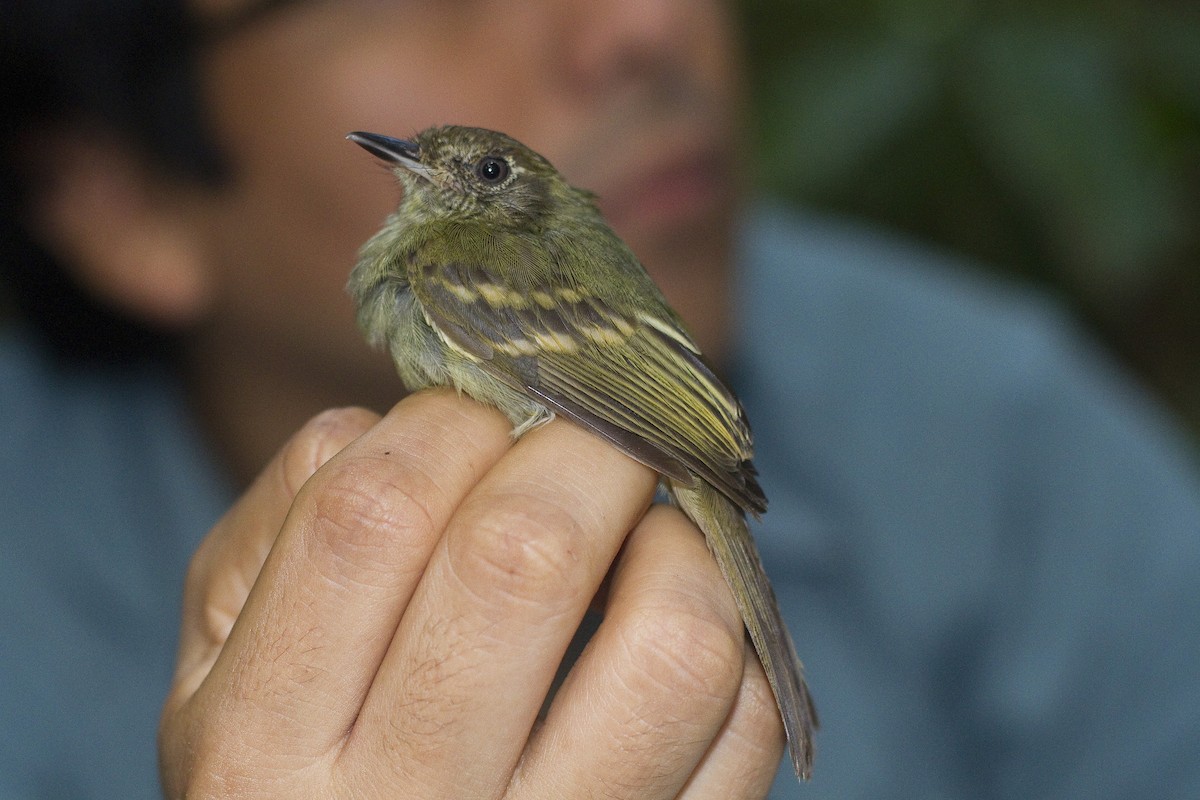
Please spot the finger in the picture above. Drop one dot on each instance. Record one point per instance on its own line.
(744, 759)
(505, 590)
(229, 559)
(656, 683)
(306, 647)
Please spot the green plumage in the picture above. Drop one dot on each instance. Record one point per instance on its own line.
(497, 277)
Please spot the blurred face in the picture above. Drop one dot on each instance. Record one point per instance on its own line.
(633, 99)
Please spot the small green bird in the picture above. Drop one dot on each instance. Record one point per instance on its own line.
(495, 276)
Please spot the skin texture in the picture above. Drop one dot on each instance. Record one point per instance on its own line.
(350, 633)
(352, 622)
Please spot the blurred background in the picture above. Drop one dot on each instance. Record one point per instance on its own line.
(1058, 144)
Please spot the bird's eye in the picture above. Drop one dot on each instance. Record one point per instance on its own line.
(492, 169)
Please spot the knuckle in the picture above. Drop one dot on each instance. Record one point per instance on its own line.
(196, 578)
(686, 648)
(363, 511)
(212, 598)
(519, 549)
(203, 761)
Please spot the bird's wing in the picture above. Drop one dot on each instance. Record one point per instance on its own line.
(637, 381)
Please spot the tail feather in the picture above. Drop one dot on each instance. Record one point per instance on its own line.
(729, 540)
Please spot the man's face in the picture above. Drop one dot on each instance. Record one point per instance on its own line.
(636, 100)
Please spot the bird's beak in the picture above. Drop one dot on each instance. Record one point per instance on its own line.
(400, 152)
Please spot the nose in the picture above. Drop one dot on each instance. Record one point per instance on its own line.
(608, 42)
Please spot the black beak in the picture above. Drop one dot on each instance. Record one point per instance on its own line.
(395, 151)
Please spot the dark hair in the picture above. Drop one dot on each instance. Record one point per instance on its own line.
(125, 66)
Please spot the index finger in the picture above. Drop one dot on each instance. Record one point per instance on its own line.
(306, 645)
(228, 561)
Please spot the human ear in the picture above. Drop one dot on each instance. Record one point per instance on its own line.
(122, 228)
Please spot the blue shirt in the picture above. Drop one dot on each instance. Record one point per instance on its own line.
(105, 492)
(986, 540)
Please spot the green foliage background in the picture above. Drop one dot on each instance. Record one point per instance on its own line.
(1058, 143)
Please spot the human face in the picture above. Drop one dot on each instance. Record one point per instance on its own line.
(636, 100)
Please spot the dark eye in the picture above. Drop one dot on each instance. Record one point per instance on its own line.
(492, 169)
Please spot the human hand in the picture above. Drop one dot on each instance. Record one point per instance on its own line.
(382, 614)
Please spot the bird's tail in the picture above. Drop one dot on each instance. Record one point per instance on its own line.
(729, 540)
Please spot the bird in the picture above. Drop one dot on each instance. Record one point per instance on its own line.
(496, 276)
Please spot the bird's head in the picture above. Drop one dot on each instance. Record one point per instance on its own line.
(456, 173)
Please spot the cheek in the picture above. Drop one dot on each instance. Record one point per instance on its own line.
(285, 231)
(284, 242)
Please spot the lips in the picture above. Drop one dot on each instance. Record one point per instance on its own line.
(671, 192)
